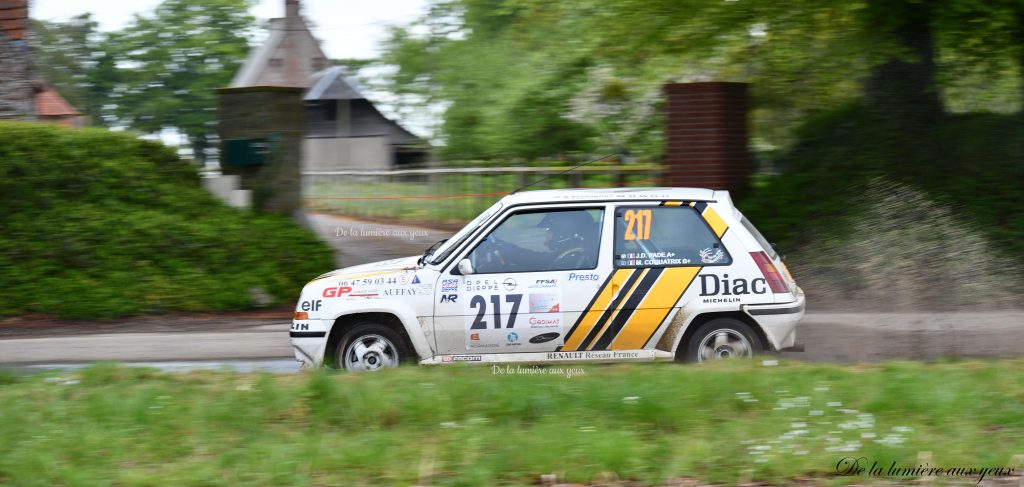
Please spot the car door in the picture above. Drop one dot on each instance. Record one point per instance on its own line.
(658, 251)
(534, 273)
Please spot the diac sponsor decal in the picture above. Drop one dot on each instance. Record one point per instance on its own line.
(725, 289)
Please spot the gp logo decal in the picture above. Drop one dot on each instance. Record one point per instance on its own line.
(631, 304)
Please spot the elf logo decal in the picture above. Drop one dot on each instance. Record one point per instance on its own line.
(337, 292)
(712, 285)
(310, 305)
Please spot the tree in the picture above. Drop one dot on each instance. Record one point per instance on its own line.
(170, 64)
(73, 57)
(596, 64)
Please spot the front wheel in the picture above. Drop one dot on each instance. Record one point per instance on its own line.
(369, 347)
(723, 338)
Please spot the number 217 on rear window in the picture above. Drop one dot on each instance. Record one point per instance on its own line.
(638, 224)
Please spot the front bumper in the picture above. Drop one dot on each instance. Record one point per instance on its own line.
(309, 341)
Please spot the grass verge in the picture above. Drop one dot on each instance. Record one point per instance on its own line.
(728, 423)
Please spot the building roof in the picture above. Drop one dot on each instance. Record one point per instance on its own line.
(49, 103)
(332, 84)
(287, 58)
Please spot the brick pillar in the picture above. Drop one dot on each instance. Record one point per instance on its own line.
(706, 136)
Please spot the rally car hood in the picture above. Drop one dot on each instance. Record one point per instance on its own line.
(373, 268)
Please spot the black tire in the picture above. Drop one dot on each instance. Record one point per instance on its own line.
(383, 348)
(734, 332)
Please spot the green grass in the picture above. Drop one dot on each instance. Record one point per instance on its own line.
(108, 425)
(99, 224)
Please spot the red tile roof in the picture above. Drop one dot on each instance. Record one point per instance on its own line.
(49, 103)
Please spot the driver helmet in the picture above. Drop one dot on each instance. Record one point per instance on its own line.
(566, 229)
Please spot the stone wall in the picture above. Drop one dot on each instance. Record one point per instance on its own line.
(17, 90)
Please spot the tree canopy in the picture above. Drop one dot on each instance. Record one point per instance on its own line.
(528, 78)
(159, 72)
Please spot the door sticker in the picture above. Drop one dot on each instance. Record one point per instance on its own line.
(503, 320)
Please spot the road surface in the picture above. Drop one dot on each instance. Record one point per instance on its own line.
(831, 337)
(828, 337)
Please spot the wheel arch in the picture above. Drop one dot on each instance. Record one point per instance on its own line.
(679, 350)
(413, 339)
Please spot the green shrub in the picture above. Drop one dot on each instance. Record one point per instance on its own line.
(971, 164)
(98, 224)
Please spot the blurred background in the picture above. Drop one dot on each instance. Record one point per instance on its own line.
(877, 143)
(172, 172)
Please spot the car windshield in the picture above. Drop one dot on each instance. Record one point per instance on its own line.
(442, 252)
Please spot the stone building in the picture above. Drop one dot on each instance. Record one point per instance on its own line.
(23, 95)
(17, 77)
(344, 130)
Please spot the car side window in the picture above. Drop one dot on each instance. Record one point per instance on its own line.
(665, 236)
(541, 240)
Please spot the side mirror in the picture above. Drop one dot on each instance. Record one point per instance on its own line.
(465, 267)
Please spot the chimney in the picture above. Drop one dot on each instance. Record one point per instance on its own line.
(706, 136)
(291, 8)
(14, 18)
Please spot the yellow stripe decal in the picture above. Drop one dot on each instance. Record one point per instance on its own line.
(591, 315)
(611, 317)
(715, 221)
(655, 308)
(673, 203)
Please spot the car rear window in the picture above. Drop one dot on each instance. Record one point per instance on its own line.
(665, 236)
(765, 244)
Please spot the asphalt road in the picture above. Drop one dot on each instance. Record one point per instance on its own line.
(830, 337)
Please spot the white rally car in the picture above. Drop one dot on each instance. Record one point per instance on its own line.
(622, 274)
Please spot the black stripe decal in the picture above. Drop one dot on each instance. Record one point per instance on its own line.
(611, 309)
(307, 334)
(586, 308)
(700, 206)
(776, 311)
(627, 309)
(669, 311)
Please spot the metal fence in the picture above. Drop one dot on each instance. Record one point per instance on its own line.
(451, 194)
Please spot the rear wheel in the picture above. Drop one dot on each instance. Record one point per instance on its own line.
(369, 347)
(723, 338)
